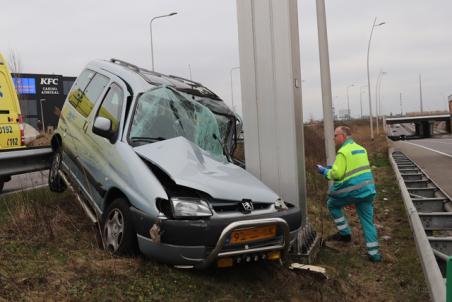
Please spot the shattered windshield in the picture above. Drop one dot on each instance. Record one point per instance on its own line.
(219, 109)
(224, 123)
(162, 113)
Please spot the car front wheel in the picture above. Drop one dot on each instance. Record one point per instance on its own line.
(118, 232)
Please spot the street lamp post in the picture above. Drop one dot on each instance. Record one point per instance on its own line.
(361, 98)
(401, 106)
(420, 93)
(348, 102)
(325, 79)
(380, 111)
(232, 87)
(152, 44)
(189, 70)
(42, 116)
(377, 98)
(368, 78)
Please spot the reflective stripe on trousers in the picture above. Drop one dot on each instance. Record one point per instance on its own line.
(364, 209)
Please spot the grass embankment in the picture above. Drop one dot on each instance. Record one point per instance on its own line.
(48, 251)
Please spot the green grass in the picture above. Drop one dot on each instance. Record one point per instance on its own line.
(48, 251)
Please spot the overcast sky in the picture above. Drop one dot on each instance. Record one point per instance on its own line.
(61, 36)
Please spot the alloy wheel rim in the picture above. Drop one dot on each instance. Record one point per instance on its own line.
(55, 167)
(114, 230)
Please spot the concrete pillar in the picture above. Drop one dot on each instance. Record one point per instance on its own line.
(271, 96)
(431, 126)
(418, 128)
(426, 129)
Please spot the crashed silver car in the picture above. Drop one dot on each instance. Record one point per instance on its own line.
(151, 158)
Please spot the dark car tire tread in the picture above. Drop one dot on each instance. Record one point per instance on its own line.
(57, 184)
(128, 245)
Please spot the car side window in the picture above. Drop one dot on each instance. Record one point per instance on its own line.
(84, 99)
(111, 107)
(92, 93)
(76, 94)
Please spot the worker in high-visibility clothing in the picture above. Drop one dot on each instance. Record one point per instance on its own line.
(353, 185)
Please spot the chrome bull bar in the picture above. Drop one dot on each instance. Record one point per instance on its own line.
(216, 252)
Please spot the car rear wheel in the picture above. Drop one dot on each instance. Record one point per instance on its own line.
(1, 185)
(56, 182)
(118, 232)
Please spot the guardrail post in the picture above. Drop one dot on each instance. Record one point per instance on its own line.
(449, 280)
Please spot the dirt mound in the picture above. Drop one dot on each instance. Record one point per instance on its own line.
(41, 140)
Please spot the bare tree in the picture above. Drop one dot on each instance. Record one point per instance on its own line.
(14, 62)
(15, 66)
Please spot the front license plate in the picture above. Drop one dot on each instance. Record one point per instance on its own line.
(252, 234)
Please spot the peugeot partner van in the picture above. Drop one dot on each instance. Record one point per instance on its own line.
(151, 156)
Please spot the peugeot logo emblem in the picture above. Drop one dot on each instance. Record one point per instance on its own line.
(247, 206)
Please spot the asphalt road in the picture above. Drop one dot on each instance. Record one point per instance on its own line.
(434, 156)
(26, 182)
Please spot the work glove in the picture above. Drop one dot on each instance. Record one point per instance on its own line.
(322, 170)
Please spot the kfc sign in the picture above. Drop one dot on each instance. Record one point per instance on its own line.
(49, 81)
(50, 86)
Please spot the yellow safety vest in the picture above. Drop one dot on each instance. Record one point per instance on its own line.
(357, 181)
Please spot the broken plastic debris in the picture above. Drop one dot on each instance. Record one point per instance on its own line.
(310, 268)
(154, 232)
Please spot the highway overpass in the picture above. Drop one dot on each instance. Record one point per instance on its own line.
(424, 125)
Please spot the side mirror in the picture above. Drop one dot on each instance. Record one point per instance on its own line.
(102, 127)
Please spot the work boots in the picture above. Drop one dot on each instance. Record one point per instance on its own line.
(339, 237)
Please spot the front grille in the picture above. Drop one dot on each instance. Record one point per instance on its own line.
(223, 206)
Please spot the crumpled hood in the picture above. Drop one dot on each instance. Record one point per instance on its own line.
(190, 166)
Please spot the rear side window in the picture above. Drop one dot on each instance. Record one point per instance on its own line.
(76, 94)
(83, 99)
(112, 106)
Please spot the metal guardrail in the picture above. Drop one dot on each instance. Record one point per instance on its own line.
(24, 160)
(429, 211)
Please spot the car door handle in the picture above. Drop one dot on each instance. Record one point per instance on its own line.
(85, 126)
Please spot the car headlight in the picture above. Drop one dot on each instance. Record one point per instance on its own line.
(190, 207)
(280, 205)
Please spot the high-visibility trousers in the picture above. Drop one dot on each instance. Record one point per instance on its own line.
(365, 210)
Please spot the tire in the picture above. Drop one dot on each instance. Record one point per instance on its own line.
(56, 182)
(118, 232)
(1, 186)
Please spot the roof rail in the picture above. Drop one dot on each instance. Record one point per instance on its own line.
(126, 64)
(185, 80)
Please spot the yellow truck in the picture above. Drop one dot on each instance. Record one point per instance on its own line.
(11, 128)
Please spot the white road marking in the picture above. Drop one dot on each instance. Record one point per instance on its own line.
(23, 190)
(441, 142)
(439, 152)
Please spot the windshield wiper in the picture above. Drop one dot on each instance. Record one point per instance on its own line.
(147, 139)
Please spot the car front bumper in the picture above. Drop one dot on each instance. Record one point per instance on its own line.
(198, 243)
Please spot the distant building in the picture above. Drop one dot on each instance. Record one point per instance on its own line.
(46, 91)
(344, 114)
